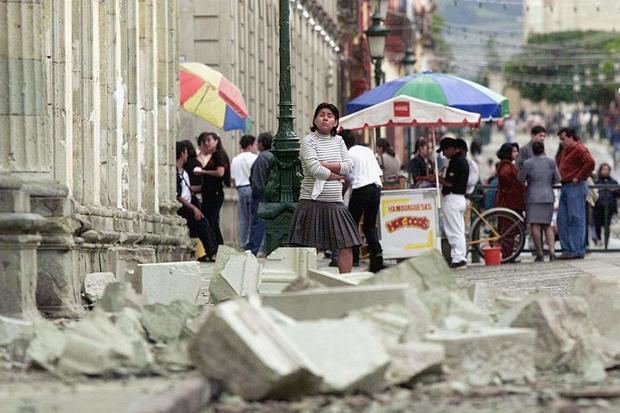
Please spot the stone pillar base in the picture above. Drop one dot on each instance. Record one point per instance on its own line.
(18, 275)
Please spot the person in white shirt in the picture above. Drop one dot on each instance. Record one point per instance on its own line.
(365, 180)
(240, 169)
(191, 208)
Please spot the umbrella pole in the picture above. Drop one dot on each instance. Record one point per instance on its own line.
(435, 168)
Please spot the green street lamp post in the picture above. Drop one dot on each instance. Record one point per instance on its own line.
(376, 35)
(282, 190)
(408, 63)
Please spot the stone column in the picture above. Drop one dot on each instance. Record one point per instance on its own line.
(18, 250)
(24, 142)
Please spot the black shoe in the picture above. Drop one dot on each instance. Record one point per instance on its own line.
(539, 259)
(458, 264)
(376, 268)
(206, 258)
(356, 263)
(333, 263)
(552, 257)
(569, 256)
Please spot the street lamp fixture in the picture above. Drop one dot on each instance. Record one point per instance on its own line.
(409, 61)
(376, 35)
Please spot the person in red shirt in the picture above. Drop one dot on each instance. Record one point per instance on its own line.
(510, 192)
(575, 165)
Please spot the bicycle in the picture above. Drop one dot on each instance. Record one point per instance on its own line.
(498, 227)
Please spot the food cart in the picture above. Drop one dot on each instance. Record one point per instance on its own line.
(409, 218)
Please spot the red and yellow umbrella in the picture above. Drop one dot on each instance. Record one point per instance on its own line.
(205, 92)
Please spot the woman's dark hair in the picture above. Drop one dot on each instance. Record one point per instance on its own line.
(538, 148)
(191, 150)
(505, 151)
(600, 168)
(333, 109)
(203, 137)
(180, 148)
(386, 146)
(420, 143)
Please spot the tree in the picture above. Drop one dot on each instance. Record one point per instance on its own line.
(493, 63)
(571, 66)
(438, 43)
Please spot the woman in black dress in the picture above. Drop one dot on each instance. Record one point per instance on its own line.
(215, 174)
(606, 205)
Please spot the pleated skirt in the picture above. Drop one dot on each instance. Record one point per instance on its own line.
(323, 225)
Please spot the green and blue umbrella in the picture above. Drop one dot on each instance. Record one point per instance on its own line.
(438, 88)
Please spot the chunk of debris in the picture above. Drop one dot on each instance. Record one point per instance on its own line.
(480, 358)
(602, 293)
(338, 301)
(164, 323)
(240, 345)
(95, 283)
(329, 279)
(395, 322)
(348, 353)
(285, 264)
(426, 271)
(13, 329)
(169, 281)
(119, 295)
(239, 277)
(450, 310)
(300, 284)
(566, 336)
(411, 359)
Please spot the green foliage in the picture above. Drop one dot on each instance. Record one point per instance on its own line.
(441, 46)
(571, 66)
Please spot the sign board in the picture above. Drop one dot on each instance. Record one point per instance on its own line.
(409, 222)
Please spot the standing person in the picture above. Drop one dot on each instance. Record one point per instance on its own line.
(259, 176)
(540, 173)
(321, 219)
(420, 167)
(510, 192)
(190, 207)
(389, 163)
(215, 174)
(606, 205)
(538, 134)
(365, 197)
(453, 202)
(240, 167)
(575, 165)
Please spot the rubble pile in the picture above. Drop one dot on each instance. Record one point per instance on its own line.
(284, 328)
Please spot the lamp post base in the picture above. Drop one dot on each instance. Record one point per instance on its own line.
(278, 217)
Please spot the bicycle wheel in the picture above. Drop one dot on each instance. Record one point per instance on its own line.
(499, 227)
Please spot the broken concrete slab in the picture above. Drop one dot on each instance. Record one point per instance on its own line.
(119, 295)
(124, 261)
(164, 323)
(602, 293)
(484, 357)
(95, 283)
(426, 271)
(13, 329)
(451, 311)
(239, 278)
(338, 301)
(47, 345)
(302, 283)
(411, 359)
(348, 353)
(169, 281)
(566, 336)
(285, 264)
(96, 346)
(395, 322)
(329, 279)
(241, 346)
(496, 301)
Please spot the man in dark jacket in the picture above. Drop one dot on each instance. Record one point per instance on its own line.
(259, 176)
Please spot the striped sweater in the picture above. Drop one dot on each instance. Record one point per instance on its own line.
(316, 148)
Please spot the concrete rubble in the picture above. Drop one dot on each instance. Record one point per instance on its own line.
(566, 337)
(285, 329)
(95, 283)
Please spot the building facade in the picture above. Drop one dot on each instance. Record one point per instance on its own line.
(88, 121)
(241, 40)
(548, 16)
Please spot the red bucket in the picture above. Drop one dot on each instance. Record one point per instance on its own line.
(492, 255)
